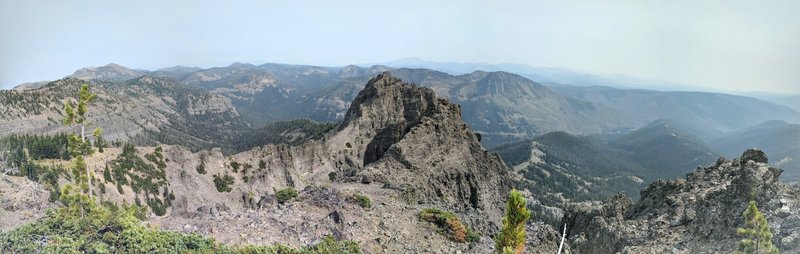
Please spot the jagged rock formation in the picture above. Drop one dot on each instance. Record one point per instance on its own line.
(399, 145)
(410, 135)
(696, 214)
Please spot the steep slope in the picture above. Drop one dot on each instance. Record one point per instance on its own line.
(293, 132)
(696, 214)
(710, 114)
(665, 148)
(401, 126)
(563, 168)
(506, 107)
(146, 110)
(399, 145)
(779, 139)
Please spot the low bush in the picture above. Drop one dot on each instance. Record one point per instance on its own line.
(450, 225)
(223, 183)
(201, 169)
(285, 195)
(362, 200)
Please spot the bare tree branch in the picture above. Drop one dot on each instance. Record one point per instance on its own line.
(563, 237)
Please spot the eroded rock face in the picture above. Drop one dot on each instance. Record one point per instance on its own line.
(399, 145)
(697, 214)
(419, 144)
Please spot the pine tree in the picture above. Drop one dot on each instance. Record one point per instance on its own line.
(107, 174)
(758, 238)
(78, 145)
(512, 235)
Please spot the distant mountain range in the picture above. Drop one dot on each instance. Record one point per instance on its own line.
(539, 74)
(503, 107)
(665, 148)
(707, 115)
(779, 139)
(595, 167)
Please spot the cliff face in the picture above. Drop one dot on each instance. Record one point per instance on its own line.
(399, 145)
(696, 214)
(417, 143)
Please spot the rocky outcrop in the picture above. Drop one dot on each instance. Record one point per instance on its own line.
(419, 144)
(399, 145)
(696, 214)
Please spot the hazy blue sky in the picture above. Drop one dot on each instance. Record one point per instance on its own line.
(722, 45)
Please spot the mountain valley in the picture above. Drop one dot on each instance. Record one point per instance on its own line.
(213, 152)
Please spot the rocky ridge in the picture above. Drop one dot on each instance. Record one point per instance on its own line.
(399, 145)
(696, 214)
(143, 109)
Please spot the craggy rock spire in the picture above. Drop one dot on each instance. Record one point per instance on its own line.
(696, 214)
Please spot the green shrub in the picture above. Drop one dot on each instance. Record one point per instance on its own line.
(223, 183)
(201, 169)
(107, 174)
(449, 224)
(129, 169)
(285, 195)
(332, 176)
(235, 166)
(362, 200)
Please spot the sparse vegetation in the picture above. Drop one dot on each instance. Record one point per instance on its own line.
(143, 178)
(362, 200)
(157, 157)
(285, 195)
(84, 226)
(223, 183)
(450, 225)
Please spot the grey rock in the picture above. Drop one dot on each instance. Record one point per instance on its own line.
(699, 213)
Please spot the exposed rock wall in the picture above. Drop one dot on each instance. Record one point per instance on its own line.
(696, 214)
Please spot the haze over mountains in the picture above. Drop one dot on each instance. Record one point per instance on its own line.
(410, 139)
(503, 107)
